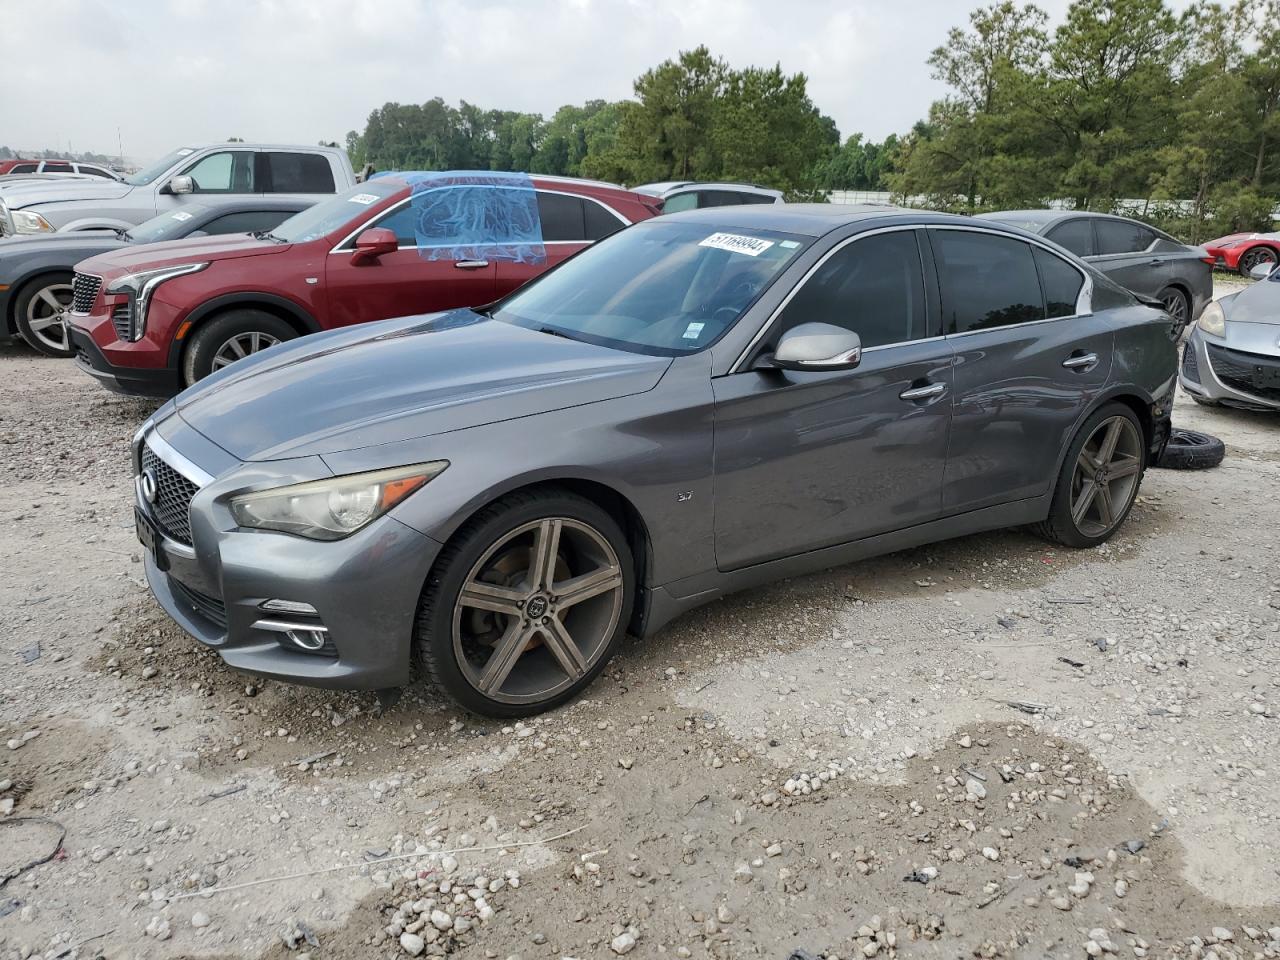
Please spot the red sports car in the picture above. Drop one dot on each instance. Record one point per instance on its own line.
(155, 320)
(1244, 251)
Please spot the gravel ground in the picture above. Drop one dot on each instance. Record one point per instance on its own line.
(983, 748)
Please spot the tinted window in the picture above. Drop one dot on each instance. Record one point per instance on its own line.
(719, 198)
(1122, 236)
(872, 286)
(562, 217)
(24, 168)
(400, 222)
(1061, 282)
(755, 198)
(1076, 235)
(987, 281)
(95, 171)
(600, 222)
(228, 172)
(299, 173)
(248, 221)
(51, 167)
(167, 226)
(680, 201)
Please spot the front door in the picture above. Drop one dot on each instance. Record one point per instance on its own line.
(402, 283)
(811, 459)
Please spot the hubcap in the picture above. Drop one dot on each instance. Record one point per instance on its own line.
(241, 346)
(46, 315)
(1106, 477)
(536, 612)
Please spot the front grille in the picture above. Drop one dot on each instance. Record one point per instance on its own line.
(1190, 365)
(84, 291)
(211, 608)
(1252, 373)
(122, 320)
(173, 498)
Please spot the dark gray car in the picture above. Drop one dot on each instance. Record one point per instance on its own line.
(701, 403)
(1135, 255)
(36, 271)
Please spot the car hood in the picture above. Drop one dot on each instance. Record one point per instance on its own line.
(77, 245)
(19, 195)
(403, 379)
(1257, 303)
(150, 256)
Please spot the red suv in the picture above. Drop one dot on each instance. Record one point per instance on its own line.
(155, 320)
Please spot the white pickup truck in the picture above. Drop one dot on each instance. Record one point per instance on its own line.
(200, 174)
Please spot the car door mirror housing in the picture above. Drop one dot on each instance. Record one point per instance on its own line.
(1260, 271)
(179, 185)
(817, 346)
(373, 243)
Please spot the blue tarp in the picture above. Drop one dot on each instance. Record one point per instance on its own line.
(470, 215)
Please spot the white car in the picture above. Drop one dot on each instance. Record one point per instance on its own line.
(677, 195)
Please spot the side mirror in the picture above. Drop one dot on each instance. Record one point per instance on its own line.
(373, 243)
(818, 346)
(180, 184)
(1260, 271)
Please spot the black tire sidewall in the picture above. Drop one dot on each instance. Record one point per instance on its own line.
(434, 632)
(24, 298)
(1060, 511)
(197, 359)
(1208, 452)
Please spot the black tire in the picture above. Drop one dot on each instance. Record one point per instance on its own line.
(1191, 450)
(199, 360)
(1178, 305)
(1254, 256)
(1059, 527)
(434, 640)
(43, 341)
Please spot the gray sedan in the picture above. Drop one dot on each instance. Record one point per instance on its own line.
(697, 405)
(1136, 255)
(1233, 355)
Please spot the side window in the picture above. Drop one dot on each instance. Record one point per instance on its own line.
(299, 172)
(51, 166)
(1076, 235)
(719, 198)
(562, 218)
(228, 172)
(872, 286)
(400, 222)
(24, 168)
(95, 171)
(680, 201)
(1061, 282)
(987, 281)
(1123, 236)
(247, 221)
(754, 198)
(599, 221)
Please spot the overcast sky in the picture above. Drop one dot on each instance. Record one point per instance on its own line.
(168, 73)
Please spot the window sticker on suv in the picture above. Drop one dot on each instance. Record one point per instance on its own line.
(735, 243)
(363, 198)
(182, 215)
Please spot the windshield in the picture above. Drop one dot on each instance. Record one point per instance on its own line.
(658, 287)
(330, 215)
(143, 177)
(167, 226)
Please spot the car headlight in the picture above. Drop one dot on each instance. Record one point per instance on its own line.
(333, 508)
(24, 221)
(1213, 321)
(140, 286)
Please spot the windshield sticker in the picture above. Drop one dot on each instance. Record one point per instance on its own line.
(694, 330)
(751, 246)
(185, 152)
(364, 199)
(789, 244)
(182, 215)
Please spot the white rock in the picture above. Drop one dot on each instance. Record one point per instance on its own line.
(441, 920)
(991, 853)
(974, 788)
(623, 943)
(200, 919)
(412, 944)
(1222, 933)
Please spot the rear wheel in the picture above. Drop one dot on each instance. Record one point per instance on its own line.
(1099, 479)
(526, 604)
(1177, 305)
(229, 337)
(41, 310)
(1254, 256)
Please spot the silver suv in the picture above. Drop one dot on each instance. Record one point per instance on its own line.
(231, 170)
(678, 195)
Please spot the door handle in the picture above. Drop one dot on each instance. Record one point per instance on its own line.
(1085, 361)
(923, 393)
(470, 264)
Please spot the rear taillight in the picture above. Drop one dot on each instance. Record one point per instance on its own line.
(1210, 260)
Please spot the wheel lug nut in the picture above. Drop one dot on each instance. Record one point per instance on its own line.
(546, 619)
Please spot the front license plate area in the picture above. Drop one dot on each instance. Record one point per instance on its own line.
(149, 537)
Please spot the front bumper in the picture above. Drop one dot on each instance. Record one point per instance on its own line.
(135, 381)
(147, 367)
(1214, 371)
(364, 589)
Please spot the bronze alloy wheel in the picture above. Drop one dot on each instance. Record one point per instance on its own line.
(537, 610)
(1106, 476)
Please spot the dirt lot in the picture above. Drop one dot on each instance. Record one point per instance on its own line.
(843, 763)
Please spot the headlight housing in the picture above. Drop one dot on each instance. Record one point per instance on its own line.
(25, 221)
(1214, 320)
(140, 286)
(333, 508)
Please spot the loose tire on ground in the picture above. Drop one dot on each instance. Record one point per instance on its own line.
(213, 335)
(438, 611)
(1191, 450)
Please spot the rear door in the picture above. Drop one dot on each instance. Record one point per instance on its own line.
(570, 222)
(1030, 359)
(295, 173)
(402, 283)
(1125, 252)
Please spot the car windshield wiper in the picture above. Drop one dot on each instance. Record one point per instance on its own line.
(123, 234)
(267, 235)
(555, 333)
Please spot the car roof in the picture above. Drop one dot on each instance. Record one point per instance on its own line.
(541, 179)
(668, 186)
(811, 219)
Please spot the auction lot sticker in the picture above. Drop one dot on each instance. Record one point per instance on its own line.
(735, 243)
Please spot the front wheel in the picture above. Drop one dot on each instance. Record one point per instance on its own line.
(1099, 479)
(526, 604)
(229, 337)
(41, 310)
